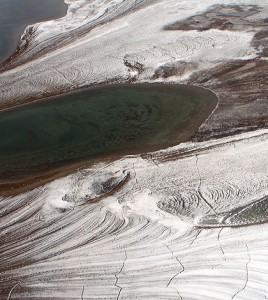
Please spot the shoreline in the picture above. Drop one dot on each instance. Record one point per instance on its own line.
(101, 86)
(131, 66)
(18, 181)
(203, 133)
(38, 179)
(19, 33)
(142, 211)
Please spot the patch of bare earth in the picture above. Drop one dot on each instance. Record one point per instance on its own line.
(241, 85)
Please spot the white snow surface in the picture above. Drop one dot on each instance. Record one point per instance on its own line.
(144, 240)
(122, 31)
(126, 246)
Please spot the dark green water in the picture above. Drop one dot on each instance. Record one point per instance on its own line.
(120, 119)
(15, 15)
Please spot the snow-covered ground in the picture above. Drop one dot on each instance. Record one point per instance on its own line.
(187, 222)
(143, 240)
(77, 55)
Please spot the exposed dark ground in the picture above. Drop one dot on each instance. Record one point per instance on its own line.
(241, 85)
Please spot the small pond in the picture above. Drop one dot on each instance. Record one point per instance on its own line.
(99, 122)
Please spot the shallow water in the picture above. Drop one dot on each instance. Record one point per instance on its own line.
(249, 214)
(120, 119)
(15, 15)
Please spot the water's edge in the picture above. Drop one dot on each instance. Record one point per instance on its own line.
(164, 106)
(24, 14)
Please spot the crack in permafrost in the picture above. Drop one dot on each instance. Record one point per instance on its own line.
(199, 187)
(116, 276)
(182, 270)
(246, 281)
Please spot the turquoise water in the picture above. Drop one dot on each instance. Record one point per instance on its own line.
(121, 119)
(15, 15)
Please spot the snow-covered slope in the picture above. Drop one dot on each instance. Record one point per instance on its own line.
(188, 222)
(82, 237)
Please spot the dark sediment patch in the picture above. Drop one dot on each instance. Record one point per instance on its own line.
(260, 42)
(174, 69)
(222, 17)
(242, 90)
(241, 85)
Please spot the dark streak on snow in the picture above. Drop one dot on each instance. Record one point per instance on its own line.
(246, 280)
(181, 270)
(116, 276)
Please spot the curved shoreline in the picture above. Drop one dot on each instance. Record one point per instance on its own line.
(139, 62)
(103, 85)
(22, 29)
(148, 222)
(202, 98)
(64, 36)
(75, 237)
